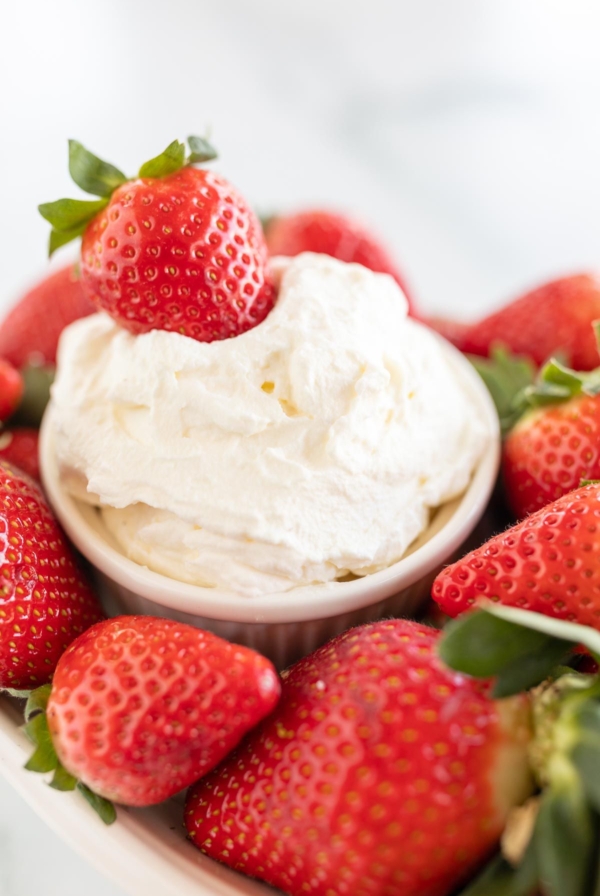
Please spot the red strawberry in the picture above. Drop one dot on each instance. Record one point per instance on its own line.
(555, 317)
(45, 601)
(11, 389)
(330, 234)
(455, 331)
(20, 448)
(29, 333)
(381, 772)
(176, 248)
(141, 707)
(548, 563)
(550, 451)
(556, 443)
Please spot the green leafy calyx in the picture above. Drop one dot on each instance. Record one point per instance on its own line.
(515, 389)
(506, 376)
(45, 759)
(70, 217)
(520, 649)
(557, 383)
(492, 643)
(91, 173)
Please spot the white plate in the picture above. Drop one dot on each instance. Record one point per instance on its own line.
(145, 851)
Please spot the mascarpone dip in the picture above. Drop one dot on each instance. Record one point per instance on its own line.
(311, 447)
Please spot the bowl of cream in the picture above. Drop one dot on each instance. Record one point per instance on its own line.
(279, 486)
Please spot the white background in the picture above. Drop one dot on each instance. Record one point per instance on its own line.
(466, 131)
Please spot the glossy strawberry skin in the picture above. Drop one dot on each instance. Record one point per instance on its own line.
(549, 563)
(30, 332)
(20, 447)
(557, 316)
(45, 600)
(373, 775)
(550, 451)
(142, 707)
(11, 389)
(182, 253)
(331, 234)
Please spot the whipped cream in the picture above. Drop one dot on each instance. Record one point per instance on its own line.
(308, 448)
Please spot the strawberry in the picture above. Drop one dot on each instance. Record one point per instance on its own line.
(45, 601)
(380, 773)
(555, 317)
(141, 707)
(176, 248)
(556, 443)
(455, 331)
(20, 447)
(11, 389)
(550, 451)
(548, 563)
(330, 234)
(29, 333)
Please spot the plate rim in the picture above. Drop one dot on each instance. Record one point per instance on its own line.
(141, 852)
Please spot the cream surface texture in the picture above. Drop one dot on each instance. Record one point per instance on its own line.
(308, 448)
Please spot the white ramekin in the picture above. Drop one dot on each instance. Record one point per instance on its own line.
(288, 625)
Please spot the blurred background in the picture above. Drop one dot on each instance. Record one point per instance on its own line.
(467, 132)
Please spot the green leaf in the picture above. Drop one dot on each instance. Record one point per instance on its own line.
(38, 701)
(484, 646)
(530, 670)
(44, 758)
(169, 161)
(104, 808)
(36, 395)
(62, 780)
(91, 173)
(558, 383)
(556, 628)
(586, 759)
(62, 237)
(494, 880)
(13, 692)
(526, 879)
(595, 889)
(585, 755)
(200, 150)
(506, 376)
(500, 879)
(66, 215)
(543, 394)
(565, 840)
